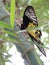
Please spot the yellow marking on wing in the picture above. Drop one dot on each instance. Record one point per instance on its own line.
(31, 25)
(31, 32)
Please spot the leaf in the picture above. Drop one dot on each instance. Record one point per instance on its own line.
(3, 24)
(34, 58)
(7, 31)
(8, 38)
(12, 13)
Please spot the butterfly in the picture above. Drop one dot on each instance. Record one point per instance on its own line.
(30, 21)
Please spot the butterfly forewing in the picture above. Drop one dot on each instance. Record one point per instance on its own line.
(30, 13)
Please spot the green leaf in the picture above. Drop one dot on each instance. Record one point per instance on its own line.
(5, 25)
(12, 13)
(8, 38)
(9, 32)
(34, 58)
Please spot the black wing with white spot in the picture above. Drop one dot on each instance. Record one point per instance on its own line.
(30, 15)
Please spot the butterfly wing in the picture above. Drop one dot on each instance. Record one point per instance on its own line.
(41, 49)
(30, 15)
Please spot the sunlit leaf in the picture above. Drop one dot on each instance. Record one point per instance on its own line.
(12, 13)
